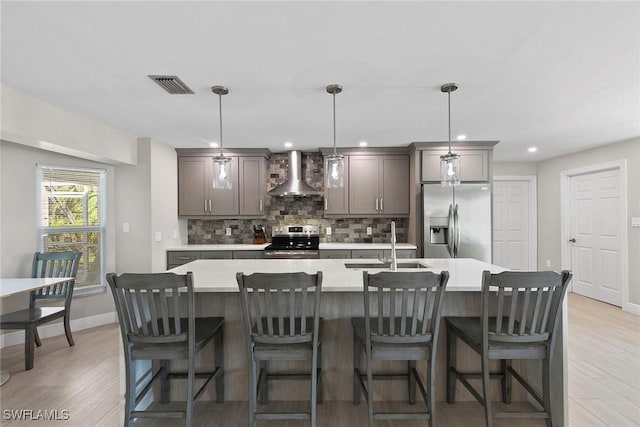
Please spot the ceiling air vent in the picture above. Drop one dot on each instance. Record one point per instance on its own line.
(172, 84)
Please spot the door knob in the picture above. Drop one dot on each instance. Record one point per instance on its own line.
(572, 240)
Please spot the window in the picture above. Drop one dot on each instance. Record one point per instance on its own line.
(71, 217)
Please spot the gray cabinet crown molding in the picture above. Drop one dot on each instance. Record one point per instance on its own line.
(365, 151)
(444, 145)
(231, 152)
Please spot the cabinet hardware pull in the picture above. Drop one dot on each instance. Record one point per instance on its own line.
(260, 205)
(209, 205)
(205, 205)
(326, 204)
(376, 203)
(381, 208)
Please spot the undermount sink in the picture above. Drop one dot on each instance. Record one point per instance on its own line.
(381, 265)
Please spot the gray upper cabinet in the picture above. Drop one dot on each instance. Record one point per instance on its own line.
(194, 185)
(197, 197)
(336, 200)
(252, 185)
(379, 185)
(474, 165)
(225, 201)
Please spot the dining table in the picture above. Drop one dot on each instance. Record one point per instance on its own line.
(13, 286)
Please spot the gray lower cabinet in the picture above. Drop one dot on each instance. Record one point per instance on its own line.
(335, 254)
(365, 253)
(400, 253)
(216, 255)
(248, 254)
(176, 258)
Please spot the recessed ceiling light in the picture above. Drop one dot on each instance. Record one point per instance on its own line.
(213, 144)
(288, 144)
(461, 137)
(532, 149)
(362, 143)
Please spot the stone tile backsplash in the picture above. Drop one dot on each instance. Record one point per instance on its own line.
(296, 210)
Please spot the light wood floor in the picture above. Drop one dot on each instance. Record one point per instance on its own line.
(604, 381)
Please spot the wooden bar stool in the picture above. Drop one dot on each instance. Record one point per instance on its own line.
(154, 327)
(524, 327)
(409, 333)
(282, 322)
(45, 264)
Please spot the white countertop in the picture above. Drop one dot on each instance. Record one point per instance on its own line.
(347, 246)
(221, 247)
(465, 274)
(251, 247)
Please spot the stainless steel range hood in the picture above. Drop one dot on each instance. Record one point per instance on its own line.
(294, 185)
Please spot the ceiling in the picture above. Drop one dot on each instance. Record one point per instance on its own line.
(561, 76)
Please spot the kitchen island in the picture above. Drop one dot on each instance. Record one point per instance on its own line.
(217, 294)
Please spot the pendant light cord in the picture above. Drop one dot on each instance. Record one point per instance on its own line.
(449, 103)
(334, 125)
(220, 110)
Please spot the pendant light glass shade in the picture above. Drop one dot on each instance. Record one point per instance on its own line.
(334, 173)
(450, 162)
(221, 164)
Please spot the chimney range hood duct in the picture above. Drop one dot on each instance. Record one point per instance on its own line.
(294, 185)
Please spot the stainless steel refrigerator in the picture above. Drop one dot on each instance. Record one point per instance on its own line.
(457, 221)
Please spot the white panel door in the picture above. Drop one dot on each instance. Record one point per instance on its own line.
(511, 223)
(595, 231)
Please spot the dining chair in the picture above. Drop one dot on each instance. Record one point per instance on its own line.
(45, 264)
(155, 326)
(404, 326)
(281, 313)
(521, 323)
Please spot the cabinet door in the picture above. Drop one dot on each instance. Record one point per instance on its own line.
(225, 202)
(367, 253)
(248, 254)
(216, 255)
(176, 258)
(474, 165)
(394, 185)
(252, 185)
(401, 253)
(194, 182)
(336, 200)
(363, 185)
(335, 254)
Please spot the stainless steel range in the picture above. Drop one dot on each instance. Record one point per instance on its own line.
(293, 242)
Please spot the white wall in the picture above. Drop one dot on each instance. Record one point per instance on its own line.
(147, 200)
(18, 221)
(31, 121)
(549, 219)
(514, 168)
(164, 203)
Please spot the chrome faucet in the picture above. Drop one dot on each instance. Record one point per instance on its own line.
(394, 261)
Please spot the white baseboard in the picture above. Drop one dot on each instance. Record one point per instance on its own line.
(54, 329)
(632, 308)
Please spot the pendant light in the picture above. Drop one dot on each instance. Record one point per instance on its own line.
(221, 164)
(450, 162)
(335, 162)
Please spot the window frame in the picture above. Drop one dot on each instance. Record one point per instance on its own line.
(101, 229)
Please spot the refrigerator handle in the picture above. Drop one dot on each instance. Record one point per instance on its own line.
(456, 231)
(450, 232)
